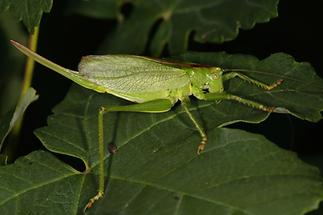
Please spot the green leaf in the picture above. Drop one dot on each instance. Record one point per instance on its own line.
(29, 11)
(39, 183)
(209, 20)
(10, 119)
(241, 173)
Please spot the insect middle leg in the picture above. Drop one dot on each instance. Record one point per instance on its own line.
(200, 129)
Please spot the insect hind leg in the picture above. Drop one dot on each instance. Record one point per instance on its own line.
(154, 106)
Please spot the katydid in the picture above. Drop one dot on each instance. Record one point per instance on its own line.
(154, 85)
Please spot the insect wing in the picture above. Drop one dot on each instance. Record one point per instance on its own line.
(130, 73)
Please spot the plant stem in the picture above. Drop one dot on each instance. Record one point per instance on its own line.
(29, 70)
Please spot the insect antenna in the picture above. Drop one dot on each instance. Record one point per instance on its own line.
(240, 70)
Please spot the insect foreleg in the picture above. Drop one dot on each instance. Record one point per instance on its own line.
(231, 75)
(155, 106)
(200, 129)
(227, 96)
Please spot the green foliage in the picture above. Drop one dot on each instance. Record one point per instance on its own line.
(11, 118)
(156, 169)
(224, 184)
(211, 21)
(29, 11)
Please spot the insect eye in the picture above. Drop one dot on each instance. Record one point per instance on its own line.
(214, 76)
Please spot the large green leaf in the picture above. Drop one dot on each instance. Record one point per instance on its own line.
(241, 173)
(210, 20)
(29, 11)
(156, 169)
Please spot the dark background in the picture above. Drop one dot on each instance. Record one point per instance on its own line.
(297, 31)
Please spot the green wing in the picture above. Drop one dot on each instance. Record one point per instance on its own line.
(130, 74)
